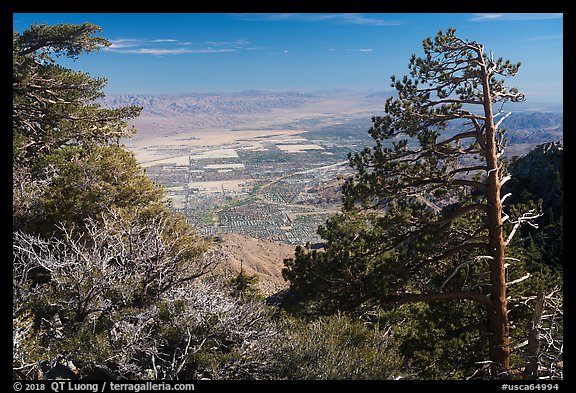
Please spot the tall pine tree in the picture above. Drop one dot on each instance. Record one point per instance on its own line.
(424, 206)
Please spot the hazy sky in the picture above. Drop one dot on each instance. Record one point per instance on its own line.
(198, 52)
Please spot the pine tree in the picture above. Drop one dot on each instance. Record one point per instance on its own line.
(424, 205)
(57, 124)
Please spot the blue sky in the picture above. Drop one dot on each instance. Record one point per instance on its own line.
(178, 53)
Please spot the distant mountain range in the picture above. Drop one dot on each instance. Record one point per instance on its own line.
(525, 126)
(534, 127)
(245, 102)
(260, 101)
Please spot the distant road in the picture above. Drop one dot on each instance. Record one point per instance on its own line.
(300, 173)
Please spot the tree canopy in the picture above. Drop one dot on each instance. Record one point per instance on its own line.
(54, 106)
(96, 247)
(62, 139)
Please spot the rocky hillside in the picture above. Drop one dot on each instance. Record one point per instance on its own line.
(540, 173)
(534, 127)
(540, 176)
(260, 257)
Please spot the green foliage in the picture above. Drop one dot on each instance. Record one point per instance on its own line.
(52, 105)
(64, 39)
(434, 338)
(26, 343)
(60, 134)
(125, 289)
(352, 268)
(369, 258)
(244, 286)
(96, 249)
(539, 176)
(333, 347)
(87, 181)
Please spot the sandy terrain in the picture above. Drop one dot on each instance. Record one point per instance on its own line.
(168, 149)
(261, 257)
(170, 139)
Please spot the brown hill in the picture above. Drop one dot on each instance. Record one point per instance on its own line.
(260, 257)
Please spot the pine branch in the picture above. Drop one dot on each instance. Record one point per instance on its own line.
(404, 298)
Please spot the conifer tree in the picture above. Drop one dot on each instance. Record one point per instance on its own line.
(57, 123)
(54, 106)
(424, 205)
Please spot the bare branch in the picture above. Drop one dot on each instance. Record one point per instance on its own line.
(463, 264)
(526, 218)
(524, 277)
(505, 179)
(505, 197)
(497, 125)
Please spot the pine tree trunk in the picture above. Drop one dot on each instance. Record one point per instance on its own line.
(498, 314)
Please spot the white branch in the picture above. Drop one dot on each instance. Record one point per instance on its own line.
(526, 218)
(505, 179)
(518, 280)
(504, 197)
(512, 233)
(461, 266)
(501, 120)
(520, 345)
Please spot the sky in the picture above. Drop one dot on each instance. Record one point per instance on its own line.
(166, 53)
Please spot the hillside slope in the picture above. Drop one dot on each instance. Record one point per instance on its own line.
(260, 257)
